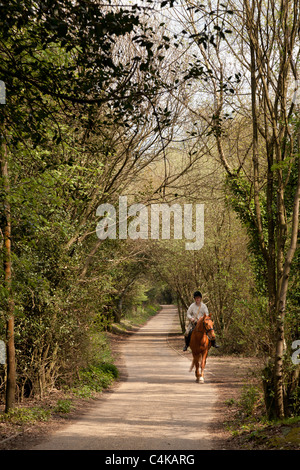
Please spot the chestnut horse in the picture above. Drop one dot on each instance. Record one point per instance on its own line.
(200, 344)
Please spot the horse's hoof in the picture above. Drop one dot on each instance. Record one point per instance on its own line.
(197, 380)
(202, 380)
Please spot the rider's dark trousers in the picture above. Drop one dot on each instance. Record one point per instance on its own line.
(187, 338)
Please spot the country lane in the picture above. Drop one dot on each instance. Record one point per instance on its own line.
(158, 407)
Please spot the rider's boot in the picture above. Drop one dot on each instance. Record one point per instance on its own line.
(214, 344)
(187, 341)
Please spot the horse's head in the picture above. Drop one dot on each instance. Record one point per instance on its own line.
(208, 325)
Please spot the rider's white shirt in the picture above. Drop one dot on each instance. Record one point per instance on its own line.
(194, 312)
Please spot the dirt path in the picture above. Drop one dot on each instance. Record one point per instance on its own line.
(159, 406)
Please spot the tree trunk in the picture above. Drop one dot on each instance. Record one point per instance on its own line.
(279, 386)
(10, 344)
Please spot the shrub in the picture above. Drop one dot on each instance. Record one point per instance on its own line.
(63, 406)
(248, 400)
(96, 377)
(26, 415)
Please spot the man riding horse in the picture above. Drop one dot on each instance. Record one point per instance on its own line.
(195, 311)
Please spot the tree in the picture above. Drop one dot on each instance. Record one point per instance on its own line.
(59, 64)
(258, 56)
(9, 310)
(86, 112)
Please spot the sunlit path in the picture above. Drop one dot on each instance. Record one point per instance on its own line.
(160, 406)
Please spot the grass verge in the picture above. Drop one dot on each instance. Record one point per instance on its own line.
(251, 430)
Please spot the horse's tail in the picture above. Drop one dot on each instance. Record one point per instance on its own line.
(192, 365)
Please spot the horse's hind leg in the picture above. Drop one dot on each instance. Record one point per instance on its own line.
(197, 372)
(203, 362)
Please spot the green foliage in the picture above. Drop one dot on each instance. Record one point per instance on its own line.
(295, 401)
(96, 377)
(63, 406)
(73, 127)
(248, 400)
(241, 199)
(249, 332)
(57, 157)
(230, 402)
(26, 415)
(80, 111)
(140, 314)
(51, 59)
(291, 389)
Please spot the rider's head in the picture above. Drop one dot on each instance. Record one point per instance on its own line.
(197, 295)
